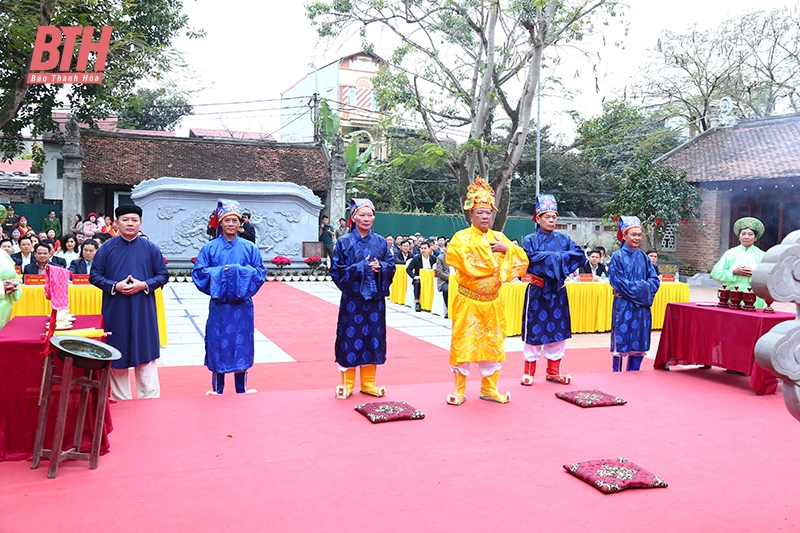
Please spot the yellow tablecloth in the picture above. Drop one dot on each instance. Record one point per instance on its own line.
(397, 291)
(589, 304)
(513, 296)
(83, 300)
(427, 288)
(668, 293)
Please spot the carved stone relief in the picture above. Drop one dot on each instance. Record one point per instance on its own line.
(176, 213)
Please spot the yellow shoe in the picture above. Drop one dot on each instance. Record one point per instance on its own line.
(458, 397)
(368, 381)
(344, 390)
(489, 389)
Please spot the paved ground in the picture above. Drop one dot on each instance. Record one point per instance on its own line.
(187, 312)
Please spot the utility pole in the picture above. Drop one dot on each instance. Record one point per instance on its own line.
(315, 116)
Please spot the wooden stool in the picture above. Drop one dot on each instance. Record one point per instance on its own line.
(69, 350)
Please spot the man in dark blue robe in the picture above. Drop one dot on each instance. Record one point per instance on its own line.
(546, 324)
(230, 269)
(128, 269)
(635, 285)
(362, 268)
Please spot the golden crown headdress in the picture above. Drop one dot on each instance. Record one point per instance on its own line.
(479, 194)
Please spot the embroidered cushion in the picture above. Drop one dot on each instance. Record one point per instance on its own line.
(614, 475)
(378, 412)
(590, 398)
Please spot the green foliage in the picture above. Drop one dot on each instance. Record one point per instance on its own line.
(140, 48)
(328, 121)
(356, 161)
(153, 110)
(573, 178)
(621, 134)
(405, 185)
(426, 156)
(658, 194)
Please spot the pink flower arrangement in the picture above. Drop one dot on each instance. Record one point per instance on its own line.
(280, 261)
(314, 261)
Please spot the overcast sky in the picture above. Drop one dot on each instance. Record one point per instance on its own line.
(254, 50)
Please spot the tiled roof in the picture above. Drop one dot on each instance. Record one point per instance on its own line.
(148, 132)
(766, 148)
(122, 159)
(226, 134)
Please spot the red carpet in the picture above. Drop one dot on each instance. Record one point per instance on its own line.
(303, 461)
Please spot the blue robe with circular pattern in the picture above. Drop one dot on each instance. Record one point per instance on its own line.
(551, 257)
(231, 273)
(635, 285)
(361, 328)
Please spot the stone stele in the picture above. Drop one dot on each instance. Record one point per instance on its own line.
(777, 279)
(175, 214)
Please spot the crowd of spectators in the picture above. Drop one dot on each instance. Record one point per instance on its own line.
(73, 249)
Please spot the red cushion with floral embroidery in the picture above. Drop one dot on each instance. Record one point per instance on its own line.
(590, 398)
(378, 412)
(614, 475)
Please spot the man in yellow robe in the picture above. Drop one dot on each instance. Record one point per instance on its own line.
(483, 260)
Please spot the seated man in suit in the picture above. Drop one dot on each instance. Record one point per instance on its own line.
(83, 264)
(25, 255)
(54, 259)
(42, 255)
(418, 262)
(404, 256)
(594, 266)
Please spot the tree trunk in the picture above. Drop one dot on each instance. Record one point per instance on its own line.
(503, 203)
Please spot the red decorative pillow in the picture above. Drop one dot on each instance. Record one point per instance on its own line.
(590, 398)
(378, 412)
(614, 475)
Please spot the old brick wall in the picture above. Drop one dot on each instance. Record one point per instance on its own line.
(699, 242)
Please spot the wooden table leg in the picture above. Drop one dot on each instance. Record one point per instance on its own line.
(100, 416)
(61, 418)
(44, 407)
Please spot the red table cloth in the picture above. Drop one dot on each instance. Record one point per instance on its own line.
(21, 373)
(717, 336)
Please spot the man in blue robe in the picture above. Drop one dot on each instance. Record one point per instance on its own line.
(128, 269)
(546, 323)
(635, 285)
(230, 270)
(362, 268)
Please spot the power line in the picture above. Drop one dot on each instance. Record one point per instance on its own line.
(248, 110)
(236, 103)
